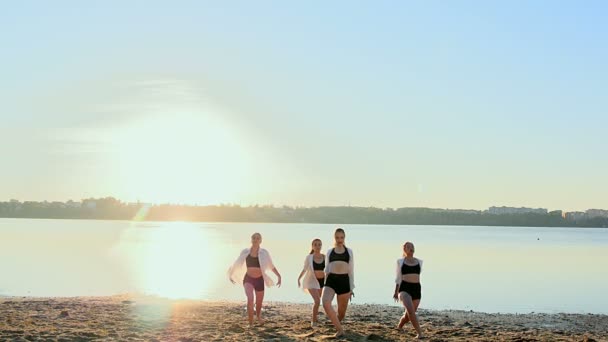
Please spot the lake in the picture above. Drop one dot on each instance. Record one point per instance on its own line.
(490, 269)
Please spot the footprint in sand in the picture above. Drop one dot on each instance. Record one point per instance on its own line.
(301, 336)
(332, 337)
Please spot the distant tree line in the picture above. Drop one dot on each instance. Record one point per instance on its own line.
(112, 209)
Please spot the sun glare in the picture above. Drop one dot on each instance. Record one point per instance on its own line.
(182, 158)
(173, 261)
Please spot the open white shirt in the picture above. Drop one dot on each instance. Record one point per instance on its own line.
(310, 280)
(400, 262)
(239, 267)
(351, 266)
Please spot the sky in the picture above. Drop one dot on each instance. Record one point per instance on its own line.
(464, 104)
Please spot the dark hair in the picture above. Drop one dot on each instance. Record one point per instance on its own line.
(313, 241)
(339, 230)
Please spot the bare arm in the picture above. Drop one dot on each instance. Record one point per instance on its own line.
(276, 272)
(300, 276)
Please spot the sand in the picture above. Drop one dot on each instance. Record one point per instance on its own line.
(127, 318)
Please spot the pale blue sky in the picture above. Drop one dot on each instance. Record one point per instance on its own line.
(463, 104)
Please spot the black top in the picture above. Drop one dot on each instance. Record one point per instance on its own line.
(333, 256)
(318, 267)
(407, 269)
(252, 261)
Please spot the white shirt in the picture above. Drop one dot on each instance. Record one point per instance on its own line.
(239, 267)
(351, 266)
(310, 280)
(400, 262)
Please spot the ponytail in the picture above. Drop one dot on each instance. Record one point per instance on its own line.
(312, 251)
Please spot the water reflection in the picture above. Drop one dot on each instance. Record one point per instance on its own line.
(504, 269)
(172, 260)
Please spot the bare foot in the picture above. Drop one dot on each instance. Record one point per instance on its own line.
(419, 336)
(260, 321)
(339, 333)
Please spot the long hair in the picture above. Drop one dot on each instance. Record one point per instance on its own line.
(312, 243)
(411, 243)
(339, 230)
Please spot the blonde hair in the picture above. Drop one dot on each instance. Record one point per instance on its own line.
(405, 244)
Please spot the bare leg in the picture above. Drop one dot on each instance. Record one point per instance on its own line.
(406, 299)
(249, 294)
(342, 305)
(259, 298)
(316, 297)
(327, 298)
(406, 318)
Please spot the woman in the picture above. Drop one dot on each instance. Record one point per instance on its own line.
(407, 288)
(314, 277)
(254, 262)
(340, 280)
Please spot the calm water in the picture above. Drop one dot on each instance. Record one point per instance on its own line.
(492, 269)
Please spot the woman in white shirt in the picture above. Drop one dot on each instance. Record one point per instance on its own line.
(407, 286)
(340, 280)
(314, 277)
(253, 263)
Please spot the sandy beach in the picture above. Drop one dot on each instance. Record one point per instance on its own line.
(127, 318)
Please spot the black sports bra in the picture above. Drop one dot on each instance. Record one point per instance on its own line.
(318, 267)
(407, 269)
(333, 256)
(252, 261)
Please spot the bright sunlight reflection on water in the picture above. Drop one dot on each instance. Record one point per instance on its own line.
(173, 261)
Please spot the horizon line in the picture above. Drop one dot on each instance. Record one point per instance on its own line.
(349, 205)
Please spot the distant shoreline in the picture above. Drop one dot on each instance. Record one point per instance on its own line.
(303, 223)
(112, 209)
(124, 317)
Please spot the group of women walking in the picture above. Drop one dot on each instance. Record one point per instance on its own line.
(325, 276)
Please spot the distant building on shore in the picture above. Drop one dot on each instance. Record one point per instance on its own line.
(513, 210)
(592, 213)
(463, 211)
(575, 216)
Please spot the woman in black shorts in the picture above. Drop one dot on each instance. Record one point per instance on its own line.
(314, 277)
(407, 288)
(339, 280)
(254, 262)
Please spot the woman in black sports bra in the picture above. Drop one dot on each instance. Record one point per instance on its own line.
(340, 280)
(407, 286)
(254, 262)
(314, 277)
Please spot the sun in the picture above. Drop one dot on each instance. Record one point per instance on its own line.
(185, 157)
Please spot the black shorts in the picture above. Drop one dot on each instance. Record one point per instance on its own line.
(258, 283)
(321, 282)
(338, 282)
(413, 289)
